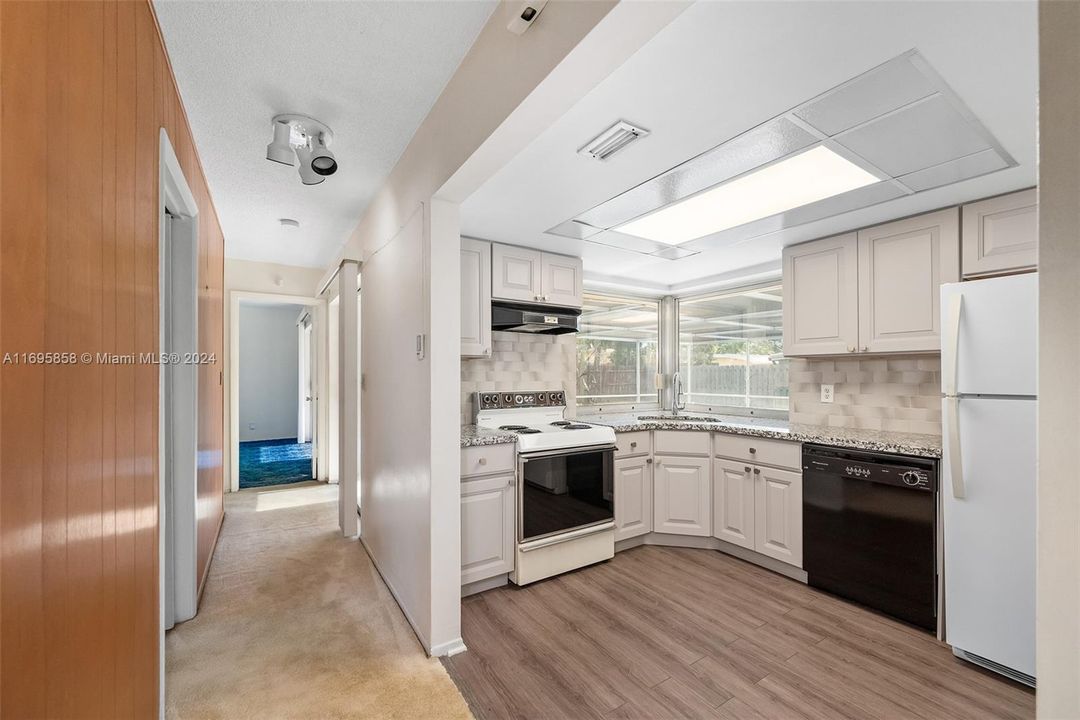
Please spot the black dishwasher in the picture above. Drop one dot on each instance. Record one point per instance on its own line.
(870, 530)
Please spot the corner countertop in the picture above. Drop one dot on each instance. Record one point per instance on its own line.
(472, 436)
(872, 440)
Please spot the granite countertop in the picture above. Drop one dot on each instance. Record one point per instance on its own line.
(472, 436)
(873, 440)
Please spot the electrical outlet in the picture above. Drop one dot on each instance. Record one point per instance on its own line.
(826, 392)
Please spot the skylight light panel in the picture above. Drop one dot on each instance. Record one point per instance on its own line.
(802, 179)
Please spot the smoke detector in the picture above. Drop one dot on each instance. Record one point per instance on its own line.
(612, 140)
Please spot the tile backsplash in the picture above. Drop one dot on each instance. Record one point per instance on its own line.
(520, 361)
(875, 393)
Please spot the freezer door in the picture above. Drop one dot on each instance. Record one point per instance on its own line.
(990, 336)
(989, 533)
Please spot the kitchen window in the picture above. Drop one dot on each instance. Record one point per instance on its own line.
(731, 350)
(617, 350)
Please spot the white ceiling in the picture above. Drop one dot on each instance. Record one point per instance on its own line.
(722, 68)
(370, 70)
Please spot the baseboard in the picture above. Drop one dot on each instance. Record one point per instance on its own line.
(448, 649)
(424, 644)
(209, 560)
(480, 586)
(711, 543)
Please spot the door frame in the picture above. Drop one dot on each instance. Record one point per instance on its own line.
(178, 384)
(235, 296)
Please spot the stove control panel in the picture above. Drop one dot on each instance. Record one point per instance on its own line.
(510, 400)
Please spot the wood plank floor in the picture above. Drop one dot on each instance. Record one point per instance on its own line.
(676, 633)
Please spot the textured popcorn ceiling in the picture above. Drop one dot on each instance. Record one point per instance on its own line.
(370, 70)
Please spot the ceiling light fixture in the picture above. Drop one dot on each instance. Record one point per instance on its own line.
(799, 180)
(306, 140)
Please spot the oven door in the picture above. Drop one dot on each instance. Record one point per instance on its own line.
(565, 490)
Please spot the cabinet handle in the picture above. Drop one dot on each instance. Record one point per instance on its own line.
(753, 451)
(851, 348)
(746, 469)
(481, 461)
(649, 461)
(865, 348)
(633, 444)
(757, 471)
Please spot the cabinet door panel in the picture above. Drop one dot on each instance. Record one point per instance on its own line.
(821, 297)
(562, 282)
(682, 502)
(778, 514)
(733, 503)
(1001, 234)
(633, 497)
(516, 273)
(487, 528)
(901, 268)
(475, 298)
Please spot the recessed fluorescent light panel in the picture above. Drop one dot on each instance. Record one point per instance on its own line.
(810, 176)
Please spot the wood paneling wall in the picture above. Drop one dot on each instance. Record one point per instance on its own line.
(86, 87)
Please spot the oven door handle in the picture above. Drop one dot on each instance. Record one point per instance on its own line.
(526, 457)
(563, 537)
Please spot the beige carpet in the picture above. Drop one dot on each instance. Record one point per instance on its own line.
(296, 623)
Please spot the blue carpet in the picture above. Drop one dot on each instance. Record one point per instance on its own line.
(274, 462)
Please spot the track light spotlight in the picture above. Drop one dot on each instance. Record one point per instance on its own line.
(304, 139)
(307, 174)
(322, 160)
(279, 150)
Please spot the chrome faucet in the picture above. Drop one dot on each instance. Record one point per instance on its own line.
(676, 394)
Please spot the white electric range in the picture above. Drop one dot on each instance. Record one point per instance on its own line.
(565, 482)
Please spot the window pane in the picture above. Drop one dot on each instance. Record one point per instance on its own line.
(617, 350)
(730, 350)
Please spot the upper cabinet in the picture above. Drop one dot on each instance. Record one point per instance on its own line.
(902, 265)
(875, 291)
(475, 298)
(821, 296)
(524, 275)
(1001, 234)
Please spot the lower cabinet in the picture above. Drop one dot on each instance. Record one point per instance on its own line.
(633, 497)
(487, 527)
(734, 502)
(758, 508)
(778, 516)
(682, 490)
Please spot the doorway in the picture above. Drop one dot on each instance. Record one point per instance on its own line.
(275, 394)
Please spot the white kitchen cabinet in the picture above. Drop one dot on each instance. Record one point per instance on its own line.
(902, 265)
(524, 275)
(562, 283)
(1000, 234)
(475, 298)
(734, 502)
(516, 273)
(682, 490)
(487, 527)
(821, 297)
(778, 514)
(633, 497)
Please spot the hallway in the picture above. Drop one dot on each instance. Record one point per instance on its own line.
(295, 622)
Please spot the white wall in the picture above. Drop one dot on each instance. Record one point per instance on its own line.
(269, 371)
(409, 242)
(1058, 610)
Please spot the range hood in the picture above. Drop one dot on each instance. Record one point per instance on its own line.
(536, 319)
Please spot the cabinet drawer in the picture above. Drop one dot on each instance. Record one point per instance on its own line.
(778, 453)
(488, 459)
(681, 442)
(633, 443)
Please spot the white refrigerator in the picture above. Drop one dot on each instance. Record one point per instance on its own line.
(988, 368)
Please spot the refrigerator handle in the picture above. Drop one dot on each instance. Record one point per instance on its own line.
(952, 339)
(956, 464)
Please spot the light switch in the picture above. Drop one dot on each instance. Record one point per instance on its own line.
(826, 392)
